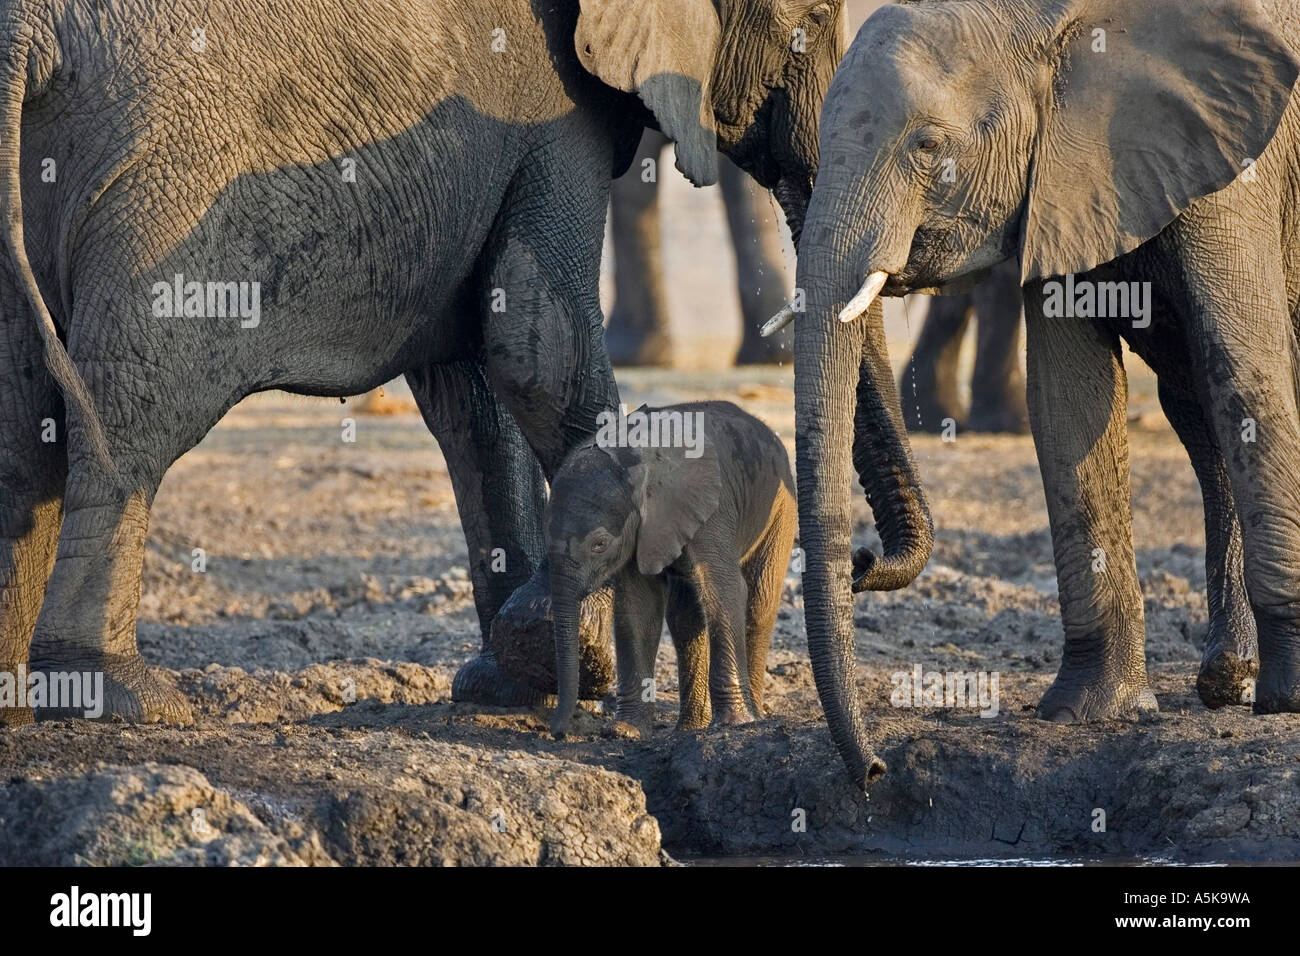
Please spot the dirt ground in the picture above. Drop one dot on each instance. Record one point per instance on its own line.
(336, 571)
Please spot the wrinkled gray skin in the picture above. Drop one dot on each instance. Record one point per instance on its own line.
(388, 178)
(928, 384)
(1122, 165)
(702, 534)
(639, 330)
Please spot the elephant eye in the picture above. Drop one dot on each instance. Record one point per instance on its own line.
(820, 15)
(600, 544)
(928, 143)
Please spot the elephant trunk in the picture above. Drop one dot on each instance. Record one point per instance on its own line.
(847, 412)
(566, 600)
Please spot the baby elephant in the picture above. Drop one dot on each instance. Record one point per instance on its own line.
(690, 510)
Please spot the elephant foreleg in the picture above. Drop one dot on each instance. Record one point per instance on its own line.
(1078, 410)
(500, 494)
(639, 604)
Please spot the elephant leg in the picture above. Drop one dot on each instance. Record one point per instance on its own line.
(1078, 411)
(1231, 658)
(33, 467)
(760, 280)
(928, 385)
(690, 633)
(723, 594)
(765, 581)
(500, 494)
(997, 390)
(638, 332)
(639, 604)
(1243, 354)
(87, 622)
(545, 358)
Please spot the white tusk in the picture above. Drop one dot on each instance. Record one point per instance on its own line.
(859, 304)
(777, 322)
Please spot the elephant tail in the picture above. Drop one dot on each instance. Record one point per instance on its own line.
(16, 47)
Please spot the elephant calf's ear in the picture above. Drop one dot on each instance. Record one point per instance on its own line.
(1151, 107)
(675, 495)
(663, 52)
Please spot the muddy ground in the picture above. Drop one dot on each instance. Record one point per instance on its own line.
(336, 570)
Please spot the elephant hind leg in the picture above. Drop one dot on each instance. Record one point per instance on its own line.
(33, 467)
(764, 573)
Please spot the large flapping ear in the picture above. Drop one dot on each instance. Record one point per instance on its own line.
(1149, 106)
(675, 494)
(662, 50)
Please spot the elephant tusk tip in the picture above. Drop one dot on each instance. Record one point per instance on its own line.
(777, 322)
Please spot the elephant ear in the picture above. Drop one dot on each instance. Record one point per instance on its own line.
(1166, 106)
(675, 495)
(664, 52)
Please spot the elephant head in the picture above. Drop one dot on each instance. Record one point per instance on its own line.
(611, 509)
(955, 135)
(746, 77)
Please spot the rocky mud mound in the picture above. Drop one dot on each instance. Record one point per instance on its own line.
(318, 641)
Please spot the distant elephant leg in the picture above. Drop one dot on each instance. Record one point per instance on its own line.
(1243, 345)
(690, 633)
(760, 280)
(997, 390)
(500, 493)
(638, 332)
(928, 385)
(1078, 409)
(33, 466)
(1231, 658)
(638, 624)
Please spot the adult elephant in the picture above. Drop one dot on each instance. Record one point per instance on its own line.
(928, 383)
(226, 198)
(1102, 141)
(639, 328)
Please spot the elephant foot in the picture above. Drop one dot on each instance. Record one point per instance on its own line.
(483, 681)
(1277, 691)
(733, 715)
(651, 348)
(16, 716)
(131, 691)
(11, 714)
(1008, 417)
(1071, 700)
(517, 668)
(1229, 666)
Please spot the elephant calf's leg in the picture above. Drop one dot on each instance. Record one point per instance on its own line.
(687, 624)
(638, 625)
(1078, 408)
(724, 596)
(765, 581)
